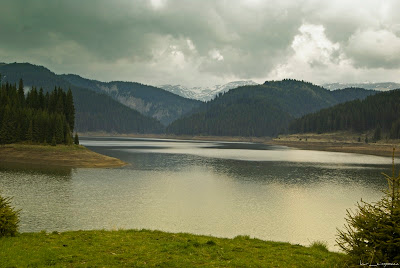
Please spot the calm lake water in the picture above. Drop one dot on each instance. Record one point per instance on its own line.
(222, 189)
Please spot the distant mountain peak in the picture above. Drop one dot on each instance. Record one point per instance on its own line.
(205, 93)
(381, 86)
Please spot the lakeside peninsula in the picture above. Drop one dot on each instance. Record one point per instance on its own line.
(75, 156)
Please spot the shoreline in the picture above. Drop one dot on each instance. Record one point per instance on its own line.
(345, 142)
(72, 156)
(177, 137)
(358, 148)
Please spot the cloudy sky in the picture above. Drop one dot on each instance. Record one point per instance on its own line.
(206, 42)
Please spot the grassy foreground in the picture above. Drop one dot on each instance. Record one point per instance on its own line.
(155, 248)
(60, 155)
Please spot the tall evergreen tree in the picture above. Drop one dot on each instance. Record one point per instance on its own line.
(21, 96)
(70, 110)
(8, 128)
(372, 233)
(29, 134)
(59, 129)
(76, 139)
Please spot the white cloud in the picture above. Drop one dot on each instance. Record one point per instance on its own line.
(375, 48)
(158, 3)
(317, 59)
(216, 55)
(313, 57)
(312, 45)
(190, 44)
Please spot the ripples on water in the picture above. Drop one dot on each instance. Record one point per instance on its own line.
(221, 189)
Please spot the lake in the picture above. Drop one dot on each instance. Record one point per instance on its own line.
(222, 189)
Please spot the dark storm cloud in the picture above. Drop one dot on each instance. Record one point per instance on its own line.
(173, 41)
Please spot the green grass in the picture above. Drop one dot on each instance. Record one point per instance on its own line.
(154, 248)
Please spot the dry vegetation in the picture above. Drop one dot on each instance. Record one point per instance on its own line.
(338, 142)
(60, 155)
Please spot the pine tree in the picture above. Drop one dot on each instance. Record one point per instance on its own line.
(70, 110)
(372, 233)
(59, 129)
(21, 96)
(8, 128)
(76, 139)
(9, 218)
(377, 133)
(67, 135)
(29, 134)
(53, 141)
(32, 117)
(41, 99)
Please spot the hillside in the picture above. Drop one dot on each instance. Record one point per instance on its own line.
(379, 112)
(151, 101)
(94, 111)
(263, 110)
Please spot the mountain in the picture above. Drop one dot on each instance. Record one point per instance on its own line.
(379, 112)
(94, 111)
(205, 93)
(263, 110)
(148, 100)
(385, 86)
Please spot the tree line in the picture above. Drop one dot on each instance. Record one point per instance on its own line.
(36, 116)
(380, 112)
(262, 110)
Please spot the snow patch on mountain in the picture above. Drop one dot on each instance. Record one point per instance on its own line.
(384, 86)
(205, 93)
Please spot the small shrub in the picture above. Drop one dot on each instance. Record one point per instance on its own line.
(9, 218)
(211, 243)
(372, 233)
(76, 139)
(244, 237)
(319, 245)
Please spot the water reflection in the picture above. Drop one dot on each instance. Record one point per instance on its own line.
(43, 193)
(58, 172)
(200, 187)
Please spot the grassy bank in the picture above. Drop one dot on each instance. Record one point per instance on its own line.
(155, 248)
(60, 155)
(347, 142)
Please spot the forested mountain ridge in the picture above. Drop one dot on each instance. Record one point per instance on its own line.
(148, 100)
(262, 110)
(380, 112)
(94, 111)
